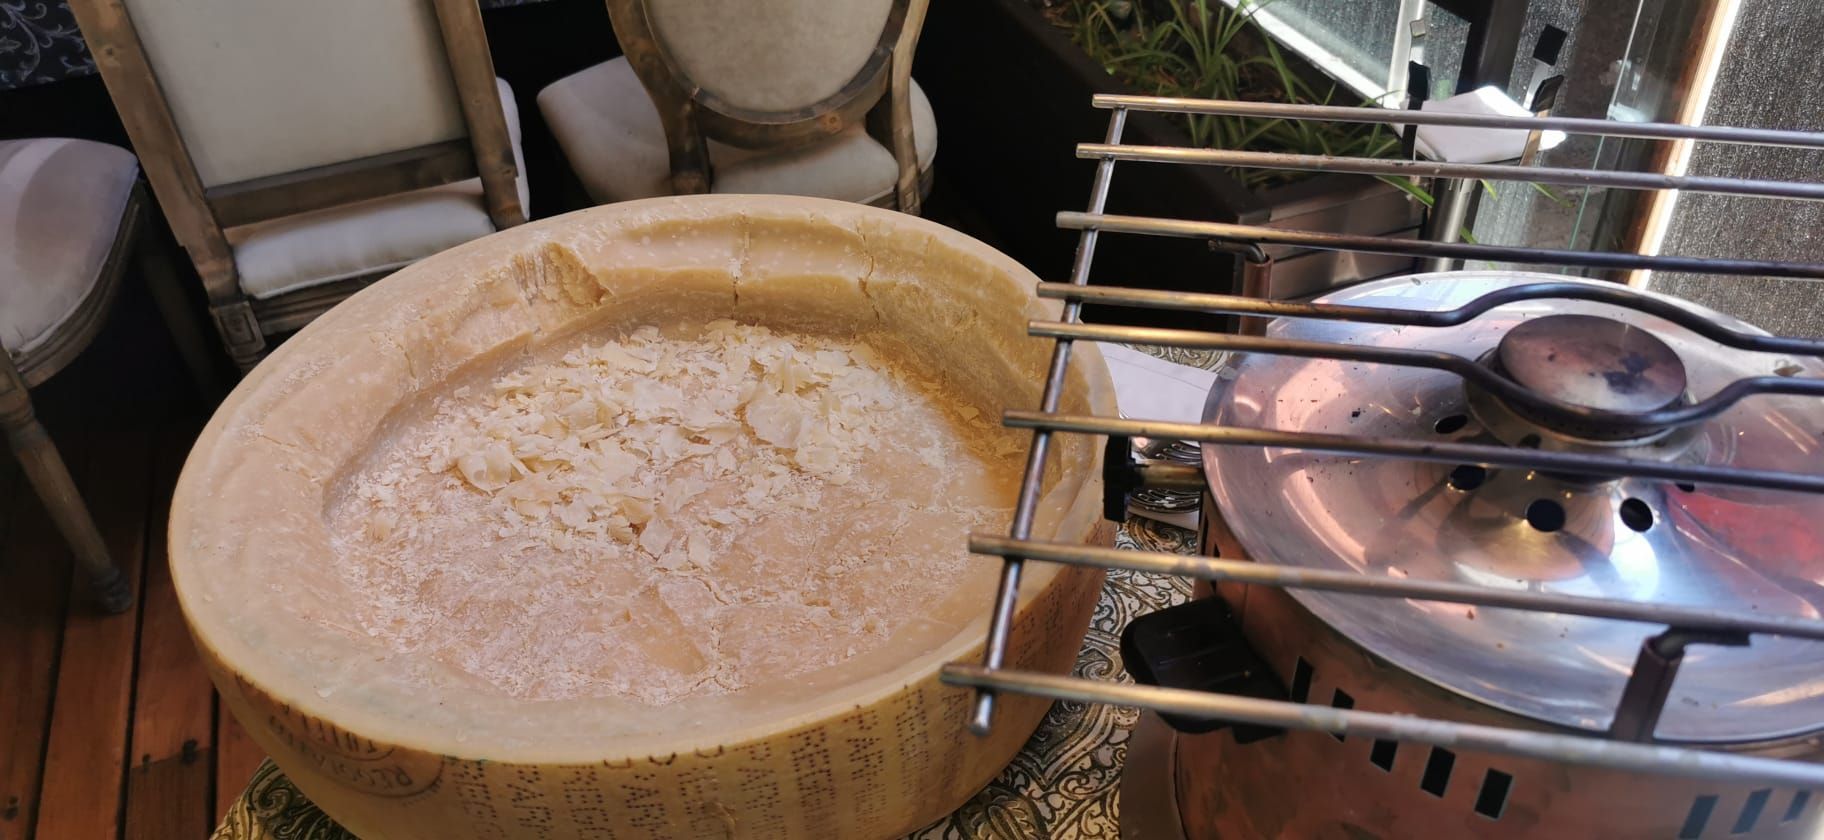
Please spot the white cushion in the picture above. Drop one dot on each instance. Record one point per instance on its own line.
(367, 237)
(610, 131)
(60, 208)
(264, 87)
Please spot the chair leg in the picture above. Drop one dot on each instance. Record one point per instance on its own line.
(186, 330)
(240, 332)
(45, 469)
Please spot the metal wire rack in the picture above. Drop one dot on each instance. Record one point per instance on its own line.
(1629, 745)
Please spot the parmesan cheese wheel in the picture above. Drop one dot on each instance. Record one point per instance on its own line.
(294, 552)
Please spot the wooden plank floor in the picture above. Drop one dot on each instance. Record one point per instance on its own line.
(109, 727)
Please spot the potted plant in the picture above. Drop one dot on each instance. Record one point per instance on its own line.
(1012, 82)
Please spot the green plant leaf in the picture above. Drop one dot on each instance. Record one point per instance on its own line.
(1194, 48)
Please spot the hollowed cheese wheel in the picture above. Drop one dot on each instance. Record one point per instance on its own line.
(397, 747)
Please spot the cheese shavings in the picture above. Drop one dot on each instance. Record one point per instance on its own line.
(561, 444)
(662, 516)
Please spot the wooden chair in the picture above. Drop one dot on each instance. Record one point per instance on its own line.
(71, 214)
(302, 150)
(803, 97)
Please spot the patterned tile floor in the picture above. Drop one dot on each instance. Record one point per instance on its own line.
(1066, 783)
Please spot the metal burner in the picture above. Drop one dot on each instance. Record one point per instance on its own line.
(1472, 521)
(1593, 362)
(1631, 538)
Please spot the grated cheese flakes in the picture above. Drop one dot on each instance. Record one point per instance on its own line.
(660, 517)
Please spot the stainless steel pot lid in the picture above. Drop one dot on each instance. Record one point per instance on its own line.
(1637, 539)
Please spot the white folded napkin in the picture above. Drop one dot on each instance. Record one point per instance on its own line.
(1149, 388)
(1461, 144)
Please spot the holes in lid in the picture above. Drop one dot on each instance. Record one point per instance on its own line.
(1636, 515)
(1467, 477)
(1686, 486)
(1301, 681)
(1797, 808)
(1437, 772)
(1491, 801)
(1546, 515)
(1340, 699)
(1530, 442)
(1697, 817)
(1751, 811)
(1450, 424)
(1383, 753)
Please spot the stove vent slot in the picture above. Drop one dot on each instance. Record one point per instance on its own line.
(1301, 681)
(1491, 801)
(1697, 818)
(1340, 700)
(1797, 808)
(1751, 811)
(1437, 772)
(1383, 753)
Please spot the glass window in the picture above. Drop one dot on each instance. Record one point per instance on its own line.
(1441, 50)
(1356, 42)
(1366, 44)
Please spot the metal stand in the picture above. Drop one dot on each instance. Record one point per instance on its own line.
(1657, 666)
(1449, 213)
(1149, 783)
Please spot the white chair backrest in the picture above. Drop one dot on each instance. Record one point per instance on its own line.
(264, 87)
(769, 55)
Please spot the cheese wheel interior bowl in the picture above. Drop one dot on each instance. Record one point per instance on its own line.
(434, 676)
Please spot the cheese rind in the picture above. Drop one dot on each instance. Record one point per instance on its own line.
(868, 747)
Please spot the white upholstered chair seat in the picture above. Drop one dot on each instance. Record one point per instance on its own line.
(61, 205)
(610, 131)
(368, 237)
